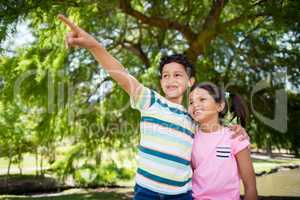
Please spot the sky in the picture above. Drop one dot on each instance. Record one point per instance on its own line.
(22, 37)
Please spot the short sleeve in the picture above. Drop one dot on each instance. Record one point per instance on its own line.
(238, 146)
(145, 99)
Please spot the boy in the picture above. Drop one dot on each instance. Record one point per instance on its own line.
(164, 170)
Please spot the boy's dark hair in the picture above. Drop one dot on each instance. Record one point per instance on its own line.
(236, 105)
(180, 59)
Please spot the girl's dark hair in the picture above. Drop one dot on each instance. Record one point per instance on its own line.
(180, 59)
(236, 105)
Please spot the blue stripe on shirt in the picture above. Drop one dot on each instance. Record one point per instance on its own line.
(152, 98)
(174, 110)
(164, 155)
(162, 180)
(168, 125)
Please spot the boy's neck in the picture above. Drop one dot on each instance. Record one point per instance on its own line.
(177, 100)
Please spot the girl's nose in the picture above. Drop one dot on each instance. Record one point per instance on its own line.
(197, 105)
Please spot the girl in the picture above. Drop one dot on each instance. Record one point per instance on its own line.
(218, 161)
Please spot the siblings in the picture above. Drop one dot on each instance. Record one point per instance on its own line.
(167, 130)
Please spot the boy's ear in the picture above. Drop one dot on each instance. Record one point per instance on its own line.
(191, 81)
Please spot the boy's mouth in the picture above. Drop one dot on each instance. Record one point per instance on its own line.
(172, 87)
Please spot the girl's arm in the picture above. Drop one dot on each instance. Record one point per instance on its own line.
(247, 174)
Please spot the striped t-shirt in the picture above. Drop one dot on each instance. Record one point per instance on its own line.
(164, 155)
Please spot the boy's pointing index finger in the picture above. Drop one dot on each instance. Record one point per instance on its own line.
(68, 23)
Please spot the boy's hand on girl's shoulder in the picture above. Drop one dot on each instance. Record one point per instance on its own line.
(77, 36)
(240, 132)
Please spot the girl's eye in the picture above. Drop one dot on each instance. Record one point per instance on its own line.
(165, 76)
(202, 99)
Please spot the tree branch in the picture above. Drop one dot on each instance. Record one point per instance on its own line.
(137, 50)
(240, 19)
(159, 22)
(214, 14)
(203, 38)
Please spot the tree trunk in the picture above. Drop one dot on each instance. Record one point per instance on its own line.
(98, 158)
(295, 150)
(8, 172)
(41, 166)
(20, 168)
(9, 166)
(269, 148)
(19, 163)
(36, 162)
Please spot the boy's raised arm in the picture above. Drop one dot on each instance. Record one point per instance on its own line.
(78, 37)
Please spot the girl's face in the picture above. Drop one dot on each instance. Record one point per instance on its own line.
(202, 106)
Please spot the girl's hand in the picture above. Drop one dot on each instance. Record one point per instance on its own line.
(240, 132)
(77, 36)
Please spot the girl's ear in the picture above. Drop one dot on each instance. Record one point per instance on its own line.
(221, 107)
(191, 81)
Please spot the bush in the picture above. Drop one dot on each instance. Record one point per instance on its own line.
(107, 175)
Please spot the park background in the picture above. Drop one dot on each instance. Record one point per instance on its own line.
(66, 127)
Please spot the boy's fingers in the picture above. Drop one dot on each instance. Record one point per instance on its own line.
(233, 127)
(66, 42)
(74, 42)
(69, 23)
(238, 131)
(234, 135)
(244, 137)
(72, 35)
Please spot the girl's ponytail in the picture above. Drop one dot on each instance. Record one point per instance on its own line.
(239, 109)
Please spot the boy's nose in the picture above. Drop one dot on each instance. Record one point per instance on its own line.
(171, 80)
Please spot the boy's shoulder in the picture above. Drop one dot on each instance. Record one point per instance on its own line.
(165, 106)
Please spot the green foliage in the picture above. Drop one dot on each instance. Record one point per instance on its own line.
(90, 176)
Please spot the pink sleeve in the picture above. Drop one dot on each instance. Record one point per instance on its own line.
(237, 145)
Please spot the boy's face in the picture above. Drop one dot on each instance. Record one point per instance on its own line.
(202, 106)
(174, 80)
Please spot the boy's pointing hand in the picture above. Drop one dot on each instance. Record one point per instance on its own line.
(77, 36)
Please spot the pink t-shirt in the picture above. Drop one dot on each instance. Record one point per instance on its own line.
(215, 172)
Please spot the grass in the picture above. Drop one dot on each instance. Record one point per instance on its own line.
(260, 164)
(119, 194)
(268, 164)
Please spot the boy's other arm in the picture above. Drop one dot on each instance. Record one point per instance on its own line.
(78, 37)
(247, 174)
(239, 132)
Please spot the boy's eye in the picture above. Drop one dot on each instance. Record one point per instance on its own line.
(177, 75)
(191, 103)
